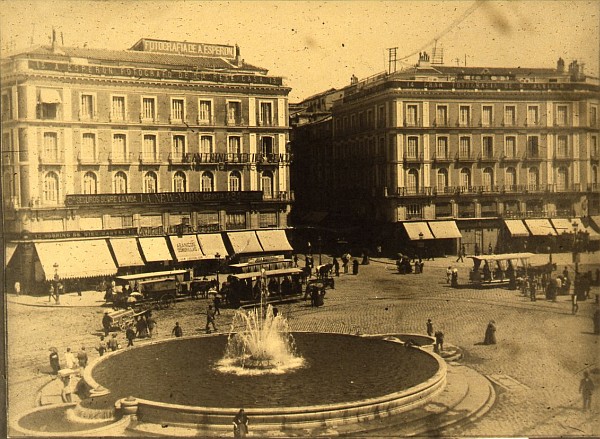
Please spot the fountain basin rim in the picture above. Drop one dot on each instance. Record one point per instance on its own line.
(121, 423)
(439, 376)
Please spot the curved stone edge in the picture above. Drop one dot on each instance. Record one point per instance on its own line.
(111, 429)
(270, 419)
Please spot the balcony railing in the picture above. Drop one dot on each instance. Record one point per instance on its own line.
(487, 189)
(149, 158)
(413, 158)
(562, 155)
(487, 157)
(234, 121)
(206, 121)
(52, 158)
(120, 159)
(464, 157)
(509, 158)
(528, 155)
(85, 159)
(442, 157)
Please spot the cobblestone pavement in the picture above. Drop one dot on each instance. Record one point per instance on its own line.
(536, 366)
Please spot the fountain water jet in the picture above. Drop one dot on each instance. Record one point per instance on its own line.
(263, 346)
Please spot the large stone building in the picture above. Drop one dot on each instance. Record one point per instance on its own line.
(454, 155)
(164, 139)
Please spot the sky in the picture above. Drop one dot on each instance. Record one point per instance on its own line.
(317, 45)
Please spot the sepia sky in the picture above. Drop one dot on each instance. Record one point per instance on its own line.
(317, 45)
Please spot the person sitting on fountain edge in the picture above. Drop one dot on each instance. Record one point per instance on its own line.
(240, 424)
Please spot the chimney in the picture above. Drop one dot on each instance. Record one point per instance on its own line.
(560, 65)
(238, 58)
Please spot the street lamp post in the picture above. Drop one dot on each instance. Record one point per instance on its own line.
(550, 248)
(319, 242)
(421, 245)
(56, 283)
(218, 258)
(575, 247)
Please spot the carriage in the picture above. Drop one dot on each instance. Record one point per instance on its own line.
(159, 289)
(498, 270)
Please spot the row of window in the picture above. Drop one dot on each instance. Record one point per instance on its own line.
(150, 147)
(50, 106)
(120, 183)
(488, 178)
(509, 117)
(413, 149)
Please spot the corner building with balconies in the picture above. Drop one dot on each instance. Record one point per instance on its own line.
(471, 146)
(164, 138)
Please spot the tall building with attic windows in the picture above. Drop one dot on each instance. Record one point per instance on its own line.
(166, 138)
(469, 152)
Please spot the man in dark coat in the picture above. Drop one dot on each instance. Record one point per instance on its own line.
(106, 323)
(130, 335)
(490, 333)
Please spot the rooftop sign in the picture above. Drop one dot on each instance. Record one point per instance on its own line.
(185, 48)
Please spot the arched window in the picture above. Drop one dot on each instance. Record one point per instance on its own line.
(179, 182)
(442, 180)
(510, 178)
(120, 183)
(235, 181)
(412, 182)
(207, 182)
(150, 182)
(533, 178)
(51, 188)
(488, 178)
(465, 178)
(266, 181)
(90, 183)
(562, 179)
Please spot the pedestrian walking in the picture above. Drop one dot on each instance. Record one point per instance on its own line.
(17, 288)
(50, 292)
(217, 303)
(54, 360)
(240, 424)
(177, 331)
(439, 342)
(210, 319)
(295, 260)
(574, 304)
(448, 274)
(106, 323)
(454, 280)
(461, 254)
(355, 267)
(82, 358)
(476, 249)
(113, 343)
(70, 360)
(67, 390)
(130, 335)
(586, 388)
(429, 327)
(490, 333)
(336, 267)
(151, 322)
(102, 347)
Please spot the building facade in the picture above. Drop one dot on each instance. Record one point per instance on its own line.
(474, 146)
(164, 138)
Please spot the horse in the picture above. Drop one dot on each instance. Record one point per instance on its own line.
(324, 271)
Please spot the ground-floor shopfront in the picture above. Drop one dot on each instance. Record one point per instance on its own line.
(83, 263)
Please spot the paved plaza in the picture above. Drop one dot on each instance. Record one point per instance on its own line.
(535, 367)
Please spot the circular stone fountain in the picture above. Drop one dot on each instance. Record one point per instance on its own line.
(283, 380)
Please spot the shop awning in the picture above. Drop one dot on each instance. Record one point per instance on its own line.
(126, 252)
(540, 227)
(516, 228)
(75, 259)
(211, 244)
(11, 247)
(155, 249)
(413, 230)
(244, 242)
(274, 240)
(592, 234)
(49, 96)
(562, 225)
(186, 248)
(444, 229)
(596, 220)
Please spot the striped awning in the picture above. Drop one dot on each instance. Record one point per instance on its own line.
(414, 229)
(75, 259)
(516, 228)
(126, 252)
(10, 249)
(155, 249)
(540, 227)
(212, 244)
(273, 240)
(244, 242)
(562, 225)
(444, 229)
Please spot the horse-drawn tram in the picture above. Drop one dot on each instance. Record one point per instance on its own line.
(498, 270)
